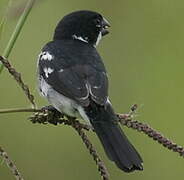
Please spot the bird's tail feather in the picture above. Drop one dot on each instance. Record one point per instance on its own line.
(115, 143)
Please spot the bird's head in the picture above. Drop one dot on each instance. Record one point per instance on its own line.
(87, 26)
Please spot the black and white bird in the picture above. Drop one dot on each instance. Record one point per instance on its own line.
(74, 80)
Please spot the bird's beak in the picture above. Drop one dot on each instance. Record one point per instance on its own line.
(105, 25)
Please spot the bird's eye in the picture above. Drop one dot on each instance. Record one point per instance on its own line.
(98, 23)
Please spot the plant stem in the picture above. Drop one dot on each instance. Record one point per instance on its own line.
(10, 164)
(17, 30)
(1, 26)
(4, 18)
(15, 110)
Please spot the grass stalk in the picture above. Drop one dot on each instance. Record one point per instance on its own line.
(1, 27)
(17, 31)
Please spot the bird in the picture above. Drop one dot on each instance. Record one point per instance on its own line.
(74, 80)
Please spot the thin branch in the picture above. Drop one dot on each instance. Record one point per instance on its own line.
(155, 135)
(100, 164)
(10, 164)
(127, 120)
(54, 117)
(19, 80)
(44, 117)
(124, 119)
(16, 110)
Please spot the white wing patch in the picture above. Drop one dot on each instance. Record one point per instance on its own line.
(46, 56)
(48, 71)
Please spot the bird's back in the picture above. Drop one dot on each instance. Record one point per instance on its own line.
(74, 52)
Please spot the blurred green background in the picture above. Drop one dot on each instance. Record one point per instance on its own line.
(145, 59)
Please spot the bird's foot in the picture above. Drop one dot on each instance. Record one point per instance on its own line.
(53, 114)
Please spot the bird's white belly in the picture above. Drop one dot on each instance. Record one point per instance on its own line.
(61, 102)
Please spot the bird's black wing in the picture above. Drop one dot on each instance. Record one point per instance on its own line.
(77, 81)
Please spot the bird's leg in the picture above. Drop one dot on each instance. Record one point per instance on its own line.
(54, 114)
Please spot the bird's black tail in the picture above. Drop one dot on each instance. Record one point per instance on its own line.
(115, 143)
